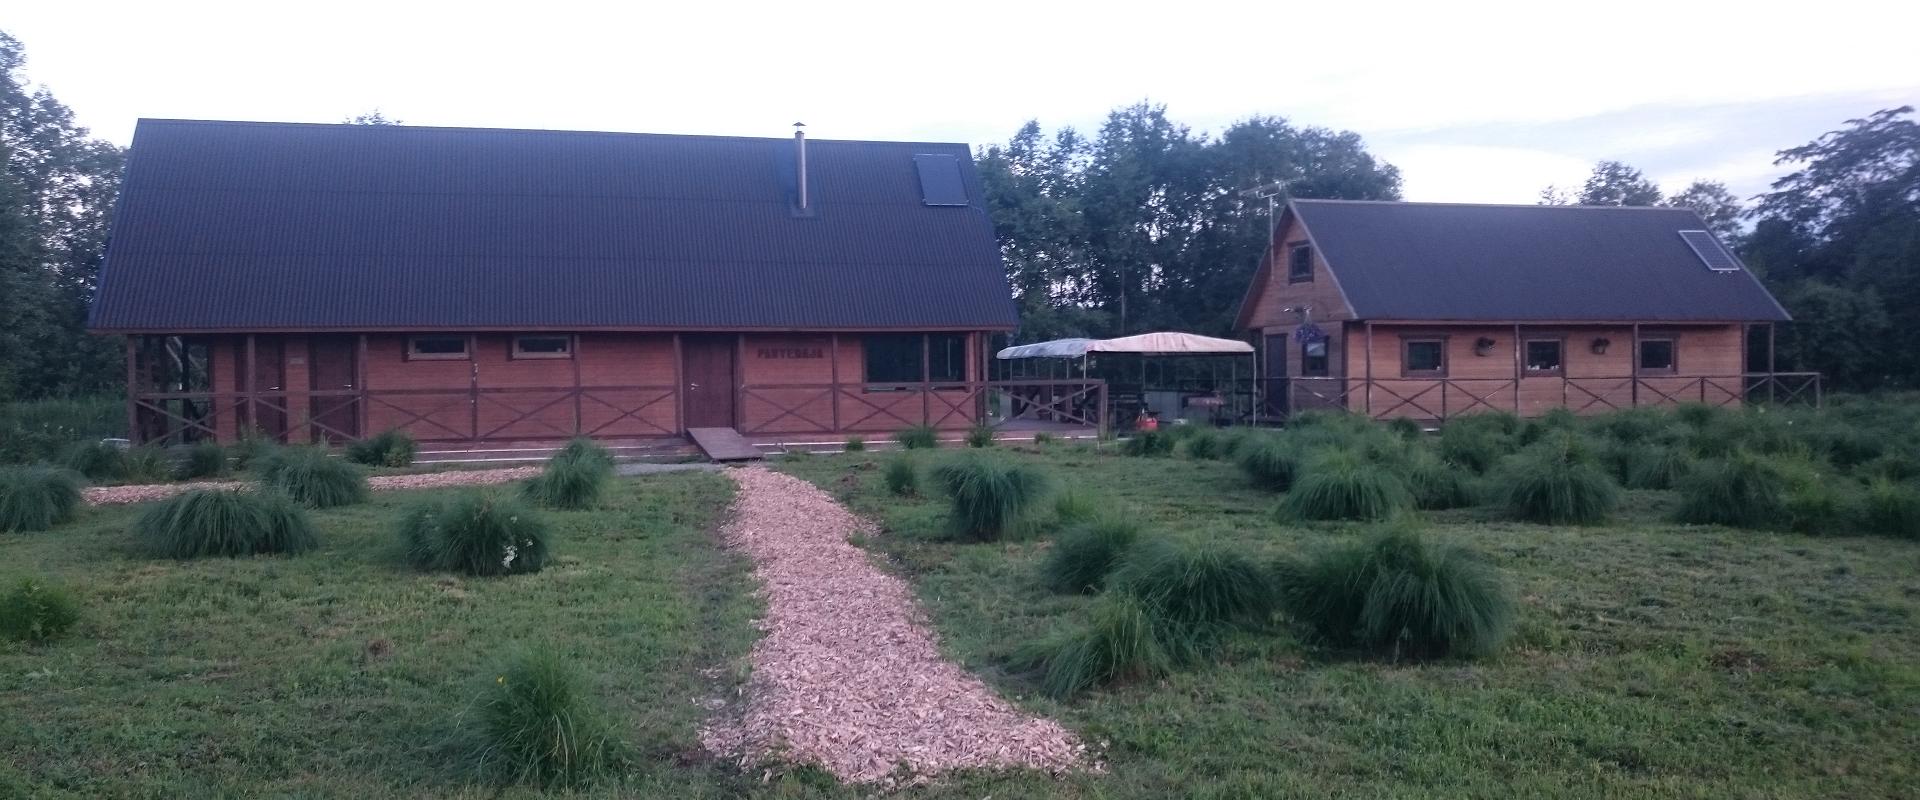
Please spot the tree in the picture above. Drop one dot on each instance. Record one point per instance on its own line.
(373, 117)
(1716, 206)
(1615, 184)
(1836, 331)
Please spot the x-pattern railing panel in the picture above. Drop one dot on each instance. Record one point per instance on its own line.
(793, 410)
(658, 394)
(1058, 405)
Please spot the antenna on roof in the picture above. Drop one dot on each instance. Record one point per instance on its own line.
(800, 163)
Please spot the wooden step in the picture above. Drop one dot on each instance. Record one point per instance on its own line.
(724, 444)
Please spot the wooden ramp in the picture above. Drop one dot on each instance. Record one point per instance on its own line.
(724, 444)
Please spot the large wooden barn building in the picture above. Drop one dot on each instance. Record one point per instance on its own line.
(1432, 310)
(324, 282)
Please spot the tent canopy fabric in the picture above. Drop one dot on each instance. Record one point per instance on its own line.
(1161, 343)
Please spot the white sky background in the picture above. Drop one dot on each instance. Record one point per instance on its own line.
(1474, 101)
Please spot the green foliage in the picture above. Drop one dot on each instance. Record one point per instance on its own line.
(1205, 445)
(1085, 554)
(855, 444)
(1195, 586)
(1042, 439)
(902, 476)
(252, 450)
(1651, 466)
(97, 460)
(918, 437)
(1476, 447)
(1341, 485)
(1151, 444)
(980, 436)
(1071, 506)
(36, 611)
(228, 523)
(1121, 642)
(1816, 506)
(389, 448)
(478, 533)
(203, 460)
(146, 464)
(1269, 462)
(1401, 596)
(1891, 509)
(1558, 481)
(1436, 484)
(1741, 491)
(40, 430)
(37, 498)
(537, 722)
(314, 479)
(990, 495)
(1635, 425)
(1405, 428)
(574, 478)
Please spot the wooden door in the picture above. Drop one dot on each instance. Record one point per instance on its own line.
(1277, 389)
(333, 367)
(707, 372)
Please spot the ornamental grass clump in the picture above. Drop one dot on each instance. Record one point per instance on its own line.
(314, 479)
(1205, 445)
(1741, 491)
(1342, 485)
(478, 533)
(1121, 642)
(97, 460)
(991, 496)
(1269, 462)
(1891, 509)
(1400, 596)
(36, 612)
(1152, 444)
(389, 448)
(902, 476)
(854, 444)
(980, 436)
(228, 523)
(1558, 481)
(1436, 484)
(1476, 447)
(203, 460)
(537, 722)
(575, 478)
(146, 464)
(1195, 587)
(918, 437)
(37, 498)
(1652, 466)
(1084, 554)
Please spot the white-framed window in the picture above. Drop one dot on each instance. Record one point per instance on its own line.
(543, 345)
(437, 348)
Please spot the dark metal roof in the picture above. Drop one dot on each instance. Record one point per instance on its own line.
(1443, 261)
(244, 225)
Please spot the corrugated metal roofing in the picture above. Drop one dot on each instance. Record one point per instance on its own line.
(1443, 261)
(234, 225)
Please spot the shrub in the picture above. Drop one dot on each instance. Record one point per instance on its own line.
(1651, 466)
(1085, 554)
(1696, 415)
(1898, 466)
(574, 478)
(537, 722)
(1741, 491)
(855, 444)
(1436, 484)
(146, 464)
(1071, 506)
(1401, 596)
(37, 498)
(39, 430)
(1042, 439)
(1816, 506)
(1120, 642)
(980, 436)
(1148, 444)
(1338, 484)
(1558, 418)
(1405, 428)
(36, 611)
(1475, 447)
(1195, 585)
(97, 460)
(1635, 425)
(252, 449)
(389, 448)
(313, 479)
(902, 476)
(990, 495)
(227, 523)
(1205, 445)
(918, 437)
(1269, 462)
(1558, 482)
(1890, 508)
(203, 460)
(476, 533)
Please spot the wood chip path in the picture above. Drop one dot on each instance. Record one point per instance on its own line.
(847, 675)
(113, 495)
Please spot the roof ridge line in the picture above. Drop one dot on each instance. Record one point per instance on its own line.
(1340, 201)
(476, 129)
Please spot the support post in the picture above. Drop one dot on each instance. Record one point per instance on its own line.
(1520, 370)
(739, 380)
(926, 379)
(473, 387)
(579, 420)
(833, 367)
(1369, 393)
(1773, 380)
(253, 384)
(133, 389)
(679, 390)
(1633, 367)
(361, 410)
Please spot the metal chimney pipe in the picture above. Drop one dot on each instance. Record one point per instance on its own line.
(800, 160)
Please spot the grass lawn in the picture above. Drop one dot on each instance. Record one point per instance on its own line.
(339, 673)
(1650, 660)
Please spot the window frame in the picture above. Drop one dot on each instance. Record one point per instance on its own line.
(1293, 249)
(413, 348)
(925, 346)
(1406, 344)
(516, 353)
(1326, 359)
(1526, 367)
(1673, 355)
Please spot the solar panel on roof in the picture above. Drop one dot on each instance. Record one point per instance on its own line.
(1709, 250)
(940, 180)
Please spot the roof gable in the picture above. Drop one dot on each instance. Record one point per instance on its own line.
(288, 226)
(1440, 261)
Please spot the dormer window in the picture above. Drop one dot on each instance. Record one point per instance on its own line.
(1300, 264)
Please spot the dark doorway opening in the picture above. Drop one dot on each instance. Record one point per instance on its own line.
(707, 375)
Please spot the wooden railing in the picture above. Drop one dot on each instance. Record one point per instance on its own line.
(1439, 399)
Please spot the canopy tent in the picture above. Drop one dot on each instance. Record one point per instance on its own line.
(1160, 343)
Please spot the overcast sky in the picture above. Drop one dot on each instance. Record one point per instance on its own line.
(1473, 101)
